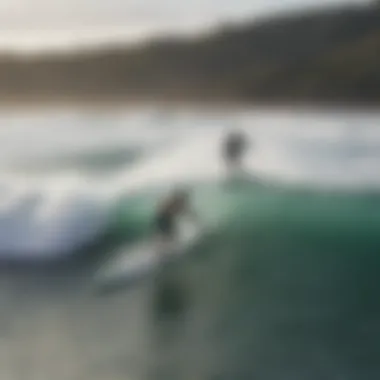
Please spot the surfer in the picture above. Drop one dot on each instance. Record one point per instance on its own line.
(174, 206)
(234, 146)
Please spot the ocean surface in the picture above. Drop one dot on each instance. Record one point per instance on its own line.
(286, 288)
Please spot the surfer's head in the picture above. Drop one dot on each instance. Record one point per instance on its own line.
(180, 197)
(236, 134)
(177, 200)
(182, 194)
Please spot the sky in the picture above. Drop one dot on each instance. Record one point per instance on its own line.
(34, 25)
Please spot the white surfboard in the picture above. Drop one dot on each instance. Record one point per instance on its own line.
(142, 259)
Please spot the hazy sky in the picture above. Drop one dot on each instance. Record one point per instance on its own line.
(35, 24)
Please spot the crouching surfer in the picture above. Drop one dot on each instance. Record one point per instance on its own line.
(167, 216)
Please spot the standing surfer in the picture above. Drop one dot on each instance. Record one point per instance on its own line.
(234, 146)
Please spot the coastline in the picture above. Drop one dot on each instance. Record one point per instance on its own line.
(103, 103)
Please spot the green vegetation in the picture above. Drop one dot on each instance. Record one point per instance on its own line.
(329, 55)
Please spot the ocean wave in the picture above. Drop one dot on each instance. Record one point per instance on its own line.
(48, 215)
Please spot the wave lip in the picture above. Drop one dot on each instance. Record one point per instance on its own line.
(39, 224)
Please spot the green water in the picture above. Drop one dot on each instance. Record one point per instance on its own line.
(286, 287)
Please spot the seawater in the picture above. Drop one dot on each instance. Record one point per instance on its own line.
(286, 288)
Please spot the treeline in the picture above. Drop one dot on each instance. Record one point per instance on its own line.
(328, 55)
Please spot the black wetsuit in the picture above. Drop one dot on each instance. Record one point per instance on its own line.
(234, 147)
(165, 223)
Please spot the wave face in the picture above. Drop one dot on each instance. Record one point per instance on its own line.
(66, 176)
(286, 288)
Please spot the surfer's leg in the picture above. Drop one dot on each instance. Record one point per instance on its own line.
(165, 234)
(161, 244)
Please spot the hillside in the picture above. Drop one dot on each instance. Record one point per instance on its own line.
(330, 55)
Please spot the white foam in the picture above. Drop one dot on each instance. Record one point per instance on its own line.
(52, 215)
(47, 224)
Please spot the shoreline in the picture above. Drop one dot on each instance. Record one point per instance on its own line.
(120, 102)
